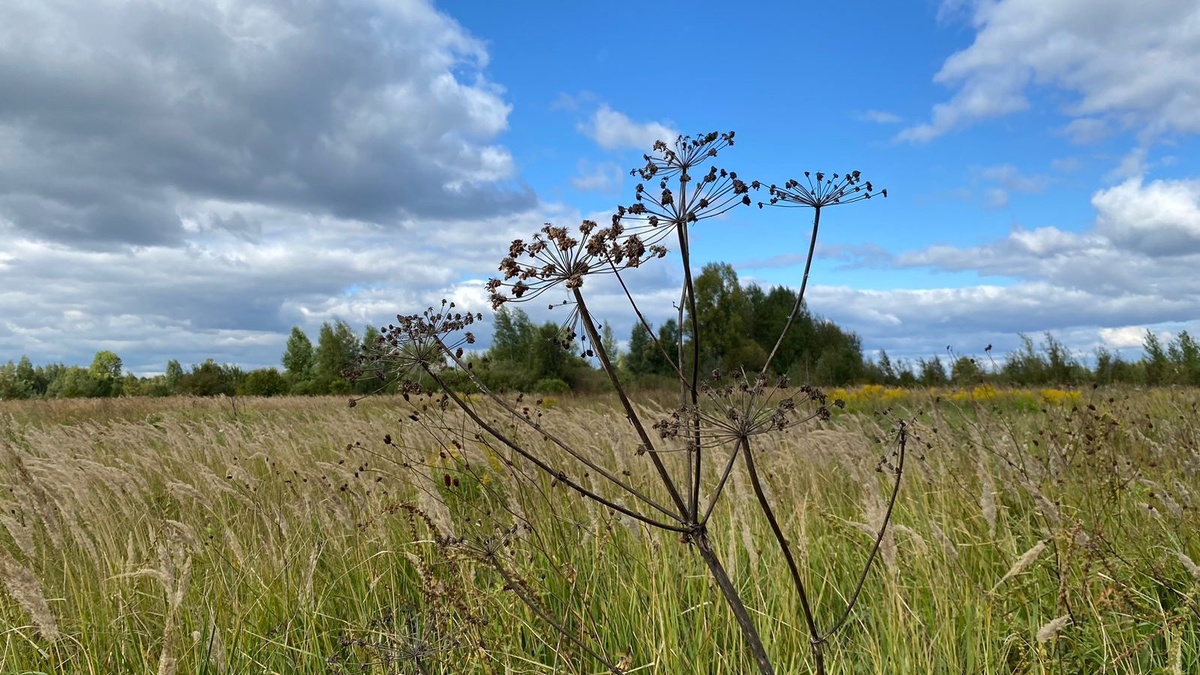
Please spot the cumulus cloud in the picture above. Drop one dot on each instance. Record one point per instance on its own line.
(1104, 286)
(113, 114)
(1123, 337)
(188, 180)
(225, 297)
(1126, 64)
(613, 130)
(606, 177)
(1161, 218)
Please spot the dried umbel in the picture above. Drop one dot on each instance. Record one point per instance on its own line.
(555, 256)
(719, 421)
(819, 190)
(422, 342)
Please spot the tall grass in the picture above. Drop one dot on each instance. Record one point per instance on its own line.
(302, 536)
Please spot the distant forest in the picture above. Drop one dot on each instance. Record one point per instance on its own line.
(740, 324)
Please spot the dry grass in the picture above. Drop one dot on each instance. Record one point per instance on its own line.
(285, 535)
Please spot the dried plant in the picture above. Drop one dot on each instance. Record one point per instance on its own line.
(693, 449)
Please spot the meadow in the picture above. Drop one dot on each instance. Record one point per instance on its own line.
(1035, 531)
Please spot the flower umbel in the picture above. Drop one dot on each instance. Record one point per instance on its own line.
(421, 342)
(556, 256)
(826, 190)
(681, 197)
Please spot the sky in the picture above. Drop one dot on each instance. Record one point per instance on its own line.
(189, 179)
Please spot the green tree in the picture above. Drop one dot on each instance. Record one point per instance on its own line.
(106, 371)
(263, 382)
(636, 359)
(298, 356)
(29, 375)
(771, 311)
(12, 387)
(609, 340)
(666, 351)
(210, 379)
(932, 372)
(74, 382)
(725, 315)
(1158, 364)
(512, 337)
(1184, 354)
(966, 370)
(336, 353)
(173, 376)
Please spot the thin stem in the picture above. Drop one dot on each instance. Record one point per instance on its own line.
(812, 247)
(740, 613)
(598, 345)
(716, 495)
(645, 324)
(764, 504)
(562, 445)
(694, 455)
(887, 517)
(555, 473)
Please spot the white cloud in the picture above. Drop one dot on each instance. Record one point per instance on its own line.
(1161, 218)
(879, 117)
(113, 113)
(1128, 64)
(1011, 178)
(1133, 269)
(1123, 337)
(1087, 130)
(612, 130)
(606, 177)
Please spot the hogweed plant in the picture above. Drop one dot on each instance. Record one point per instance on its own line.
(692, 449)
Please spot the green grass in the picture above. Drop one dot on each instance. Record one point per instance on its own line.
(285, 536)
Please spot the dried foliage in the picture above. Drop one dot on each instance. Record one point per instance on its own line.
(693, 449)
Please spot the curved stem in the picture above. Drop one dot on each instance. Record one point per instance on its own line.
(645, 324)
(887, 517)
(562, 445)
(812, 247)
(598, 344)
(764, 504)
(740, 613)
(549, 470)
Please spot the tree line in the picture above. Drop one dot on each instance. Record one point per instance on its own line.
(740, 324)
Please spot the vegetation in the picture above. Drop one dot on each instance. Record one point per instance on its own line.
(736, 523)
(523, 355)
(249, 539)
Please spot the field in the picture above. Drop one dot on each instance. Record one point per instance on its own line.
(1035, 531)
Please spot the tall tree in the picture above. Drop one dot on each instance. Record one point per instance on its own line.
(106, 373)
(1158, 364)
(336, 352)
(298, 356)
(726, 316)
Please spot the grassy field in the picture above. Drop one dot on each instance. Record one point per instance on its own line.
(1036, 531)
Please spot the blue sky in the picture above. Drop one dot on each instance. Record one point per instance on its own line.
(186, 180)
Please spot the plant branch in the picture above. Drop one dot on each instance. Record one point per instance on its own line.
(598, 344)
(887, 517)
(812, 247)
(765, 505)
(541, 464)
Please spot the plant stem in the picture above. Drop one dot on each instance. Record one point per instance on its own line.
(764, 504)
(598, 345)
(740, 613)
(812, 247)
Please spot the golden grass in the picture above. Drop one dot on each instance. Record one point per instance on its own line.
(280, 535)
